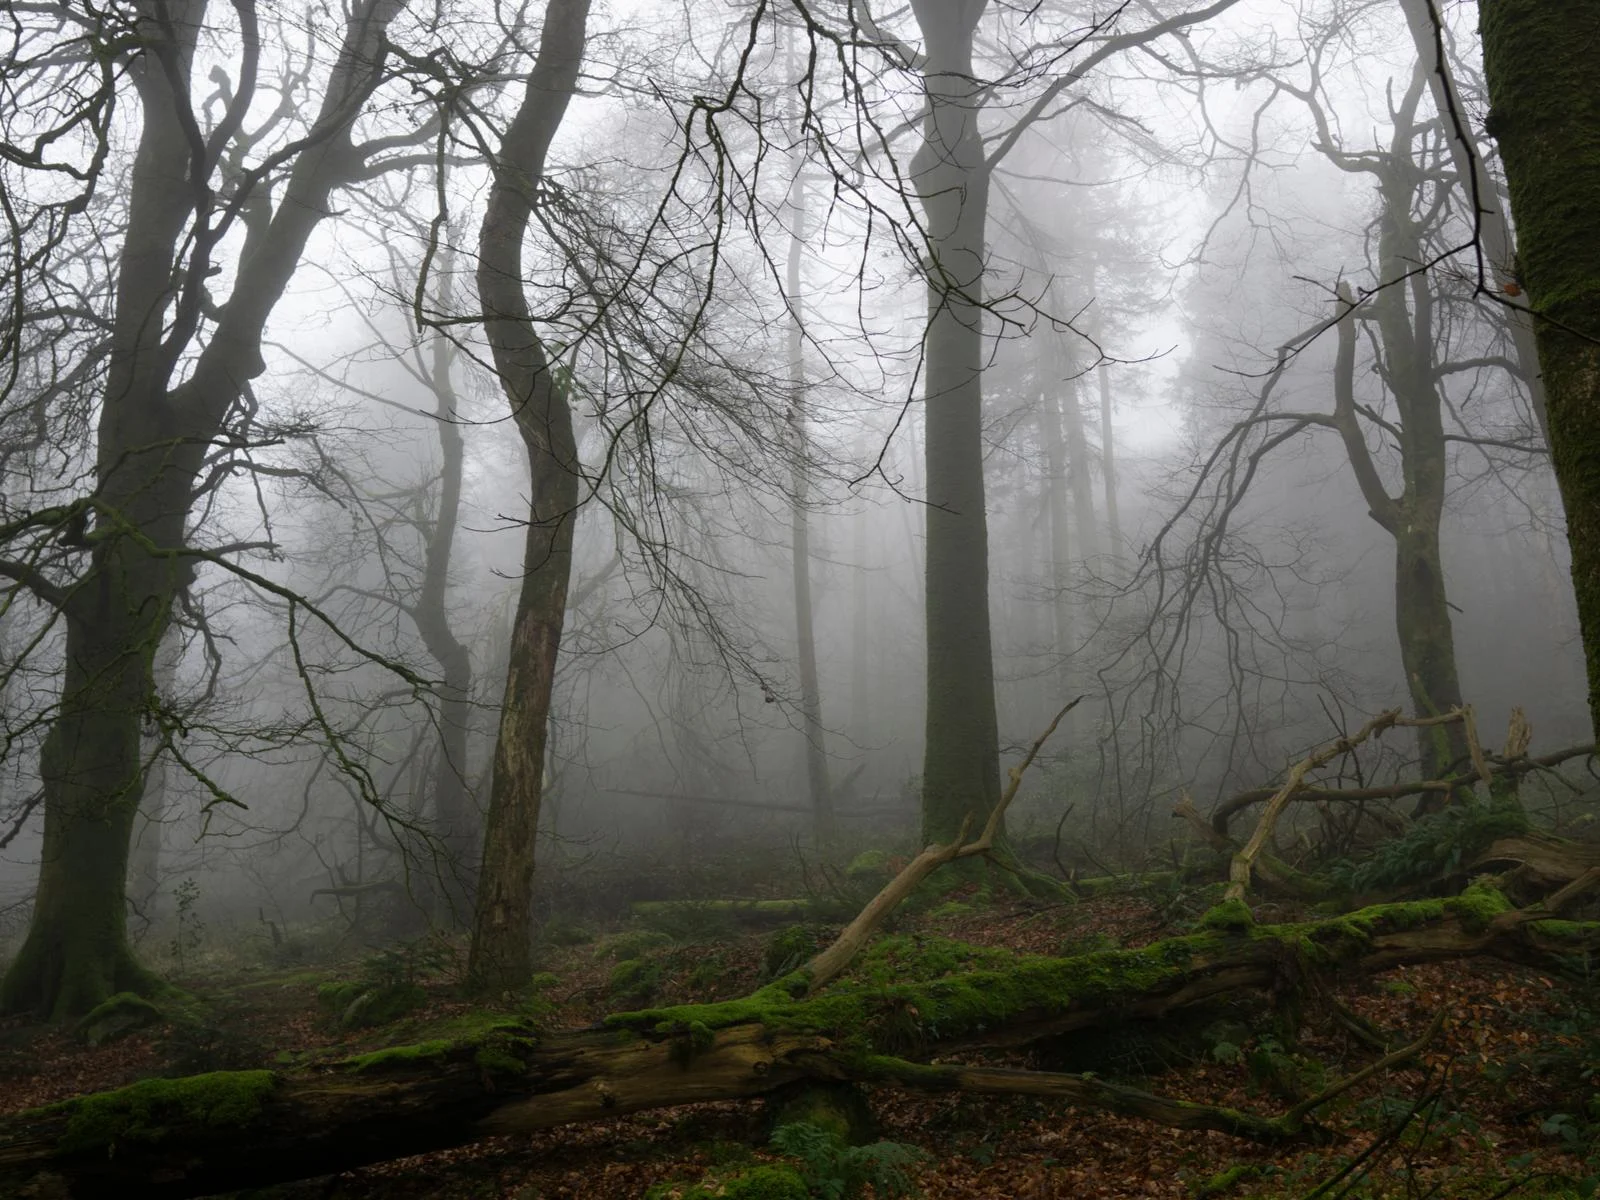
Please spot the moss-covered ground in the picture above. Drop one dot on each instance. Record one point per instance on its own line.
(1509, 1096)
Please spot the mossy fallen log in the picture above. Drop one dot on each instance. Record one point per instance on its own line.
(226, 1131)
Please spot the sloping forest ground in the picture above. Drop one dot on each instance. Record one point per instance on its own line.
(1504, 1100)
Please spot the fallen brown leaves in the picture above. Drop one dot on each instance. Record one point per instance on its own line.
(1505, 1061)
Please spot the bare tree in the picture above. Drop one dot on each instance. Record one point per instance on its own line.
(208, 196)
(502, 934)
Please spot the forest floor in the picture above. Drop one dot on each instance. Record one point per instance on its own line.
(1505, 1102)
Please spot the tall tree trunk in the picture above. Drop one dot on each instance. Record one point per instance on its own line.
(1494, 232)
(1538, 57)
(1422, 613)
(1407, 366)
(502, 922)
(800, 528)
(455, 817)
(865, 638)
(1108, 462)
(1078, 476)
(152, 444)
(961, 763)
(1059, 533)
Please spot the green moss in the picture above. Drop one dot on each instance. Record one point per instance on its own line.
(908, 958)
(365, 1005)
(631, 944)
(766, 1183)
(1574, 933)
(1231, 916)
(1225, 1181)
(496, 1060)
(635, 981)
(947, 989)
(1478, 905)
(400, 1056)
(969, 1002)
(292, 979)
(117, 1017)
(146, 1111)
(789, 947)
(868, 862)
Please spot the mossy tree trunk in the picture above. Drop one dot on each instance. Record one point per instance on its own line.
(502, 931)
(961, 756)
(154, 439)
(1539, 58)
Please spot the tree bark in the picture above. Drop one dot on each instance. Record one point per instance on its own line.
(1545, 113)
(502, 922)
(1059, 538)
(961, 764)
(144, 864)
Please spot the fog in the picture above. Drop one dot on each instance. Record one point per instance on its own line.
(728, 266)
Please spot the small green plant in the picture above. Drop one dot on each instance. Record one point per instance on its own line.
(836, 1171)
(635, 981)
(791, 947)
(1436, 845)
(389, 986)
(409, 962)
(768, 1182)
(191, 929)
(690, 923)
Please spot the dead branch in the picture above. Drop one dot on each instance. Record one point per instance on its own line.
(1243, 861)
(1499, 766)
(831, 962)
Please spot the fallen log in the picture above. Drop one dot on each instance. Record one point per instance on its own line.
(232, 1130)
(1544, 861)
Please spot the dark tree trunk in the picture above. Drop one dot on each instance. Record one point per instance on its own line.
(1538, 57)
(152, 442)
(502, 932)
(961, 758)
(1402, 308)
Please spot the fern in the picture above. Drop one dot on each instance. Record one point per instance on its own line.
(1438, 844)
(836, 1171)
